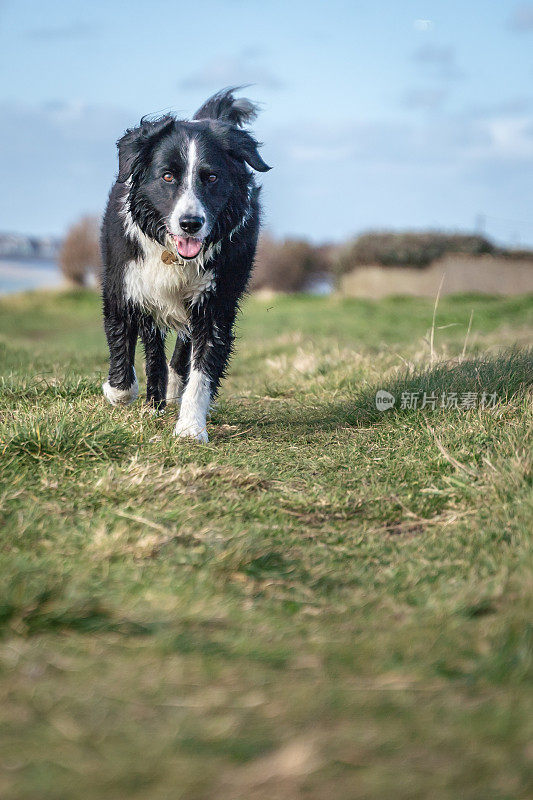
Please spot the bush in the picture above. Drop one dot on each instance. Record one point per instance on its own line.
(287, 266)
(79, 256)
(519, 254)
(407, 249)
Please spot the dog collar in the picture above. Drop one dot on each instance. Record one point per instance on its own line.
(168, 258)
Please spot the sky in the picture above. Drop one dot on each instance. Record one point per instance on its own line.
(375, 114)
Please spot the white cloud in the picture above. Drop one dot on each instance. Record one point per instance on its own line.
(72, 30)
(511, 137)
(320, 152)
(423, 25)
(438, 60)
(230, 70)
(426, 97)
(521, 19)
(71, 150)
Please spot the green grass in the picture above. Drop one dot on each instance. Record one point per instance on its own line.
(326, 601)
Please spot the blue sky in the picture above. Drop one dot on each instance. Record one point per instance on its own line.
(375, 113)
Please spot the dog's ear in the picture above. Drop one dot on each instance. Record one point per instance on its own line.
(137, 141)
(228, 115)
(239, 145)
(244, 147)
(227, 108)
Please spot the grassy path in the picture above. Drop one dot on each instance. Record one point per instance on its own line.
(327, 601)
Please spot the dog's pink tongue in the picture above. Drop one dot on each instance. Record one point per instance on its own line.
(188, 247)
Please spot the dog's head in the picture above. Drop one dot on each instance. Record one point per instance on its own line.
(190, 180)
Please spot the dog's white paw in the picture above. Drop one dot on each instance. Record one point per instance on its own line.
(194, 406)
(187, 429)
(121, 397)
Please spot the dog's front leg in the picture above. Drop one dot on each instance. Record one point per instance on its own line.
(178, 369)
(153, 339)
(211, 347)
(121, 387)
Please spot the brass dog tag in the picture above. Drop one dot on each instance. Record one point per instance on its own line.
(167, 257)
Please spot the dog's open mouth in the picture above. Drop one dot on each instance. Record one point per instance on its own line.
(187, 246)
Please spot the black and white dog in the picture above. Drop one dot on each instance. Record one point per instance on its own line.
(178, 241)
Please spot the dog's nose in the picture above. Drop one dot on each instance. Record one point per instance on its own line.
(191, 224)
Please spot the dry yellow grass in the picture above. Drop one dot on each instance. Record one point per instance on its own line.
(462, 274)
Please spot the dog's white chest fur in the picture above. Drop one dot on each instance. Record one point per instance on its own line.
(166, 291)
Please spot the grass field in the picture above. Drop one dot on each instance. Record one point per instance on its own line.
(326, 601)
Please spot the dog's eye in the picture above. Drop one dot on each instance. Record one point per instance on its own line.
(212, 178)
(168, 177)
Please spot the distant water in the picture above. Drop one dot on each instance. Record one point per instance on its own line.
(322, 284)
(17, 275)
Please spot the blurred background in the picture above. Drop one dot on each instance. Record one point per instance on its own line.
(400, 131)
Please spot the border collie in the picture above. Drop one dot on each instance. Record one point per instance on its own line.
(178, 243)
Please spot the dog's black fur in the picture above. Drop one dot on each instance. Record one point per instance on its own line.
(139, 225)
